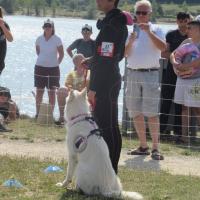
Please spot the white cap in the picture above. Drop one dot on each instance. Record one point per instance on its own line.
(197, 18)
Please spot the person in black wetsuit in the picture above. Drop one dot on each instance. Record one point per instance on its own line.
(5, 34)
(105, 78)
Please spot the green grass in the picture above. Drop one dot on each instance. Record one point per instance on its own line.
(30, 131)
(41, 186)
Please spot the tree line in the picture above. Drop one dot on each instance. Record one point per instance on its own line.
(77, 8)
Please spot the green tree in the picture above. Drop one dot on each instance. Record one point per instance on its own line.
(8, 5)
(37, 5)
(184, 6)
(54, 6)
(91, 13)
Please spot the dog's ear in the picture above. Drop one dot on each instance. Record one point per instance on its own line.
(71, 95)
(84, 92)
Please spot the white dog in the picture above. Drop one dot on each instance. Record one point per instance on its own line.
(88, 155)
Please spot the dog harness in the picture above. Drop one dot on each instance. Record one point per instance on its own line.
(80, 142)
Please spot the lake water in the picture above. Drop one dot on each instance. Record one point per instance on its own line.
(21, 56)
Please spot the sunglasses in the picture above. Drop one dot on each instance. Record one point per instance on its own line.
(85, 30)
(47, 26)
(141, 13)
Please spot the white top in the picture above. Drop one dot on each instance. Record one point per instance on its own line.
(48, 56)
(144, 54)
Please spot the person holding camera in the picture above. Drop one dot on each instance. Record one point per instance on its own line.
(143, 51)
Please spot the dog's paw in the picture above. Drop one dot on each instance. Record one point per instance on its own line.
(63, 184)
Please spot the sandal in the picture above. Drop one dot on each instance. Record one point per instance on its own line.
(59, 123)
(139, 151)
(155, 155)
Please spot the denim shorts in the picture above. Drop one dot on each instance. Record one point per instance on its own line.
(142, 93)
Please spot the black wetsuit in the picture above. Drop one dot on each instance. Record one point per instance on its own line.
(105, 78)
(3, 48)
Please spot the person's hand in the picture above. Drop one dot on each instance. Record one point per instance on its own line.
(186, 73)
(183, 67)
(145, 27)
(92, 98)
(182, 70)
(176, 67)
(85, 63)
(132, 37)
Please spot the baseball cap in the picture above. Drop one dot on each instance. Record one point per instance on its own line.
(197, 18)
(87, 27)
(4, 91)
(196, 21)
(49, 22)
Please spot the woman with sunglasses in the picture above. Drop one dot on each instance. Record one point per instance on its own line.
(5, 35)
(143, 51)
(50, 53)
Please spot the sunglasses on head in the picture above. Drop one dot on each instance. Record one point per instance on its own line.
(141, 12)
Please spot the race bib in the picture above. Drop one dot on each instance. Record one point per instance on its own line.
(106, 49)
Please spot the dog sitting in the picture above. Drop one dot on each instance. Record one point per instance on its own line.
(88, 155)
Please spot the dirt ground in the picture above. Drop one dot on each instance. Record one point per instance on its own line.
(57, 151)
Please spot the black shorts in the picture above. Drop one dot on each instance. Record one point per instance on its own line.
(48, 77)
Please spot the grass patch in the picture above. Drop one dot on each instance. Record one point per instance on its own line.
(30, 131)
(41, 186)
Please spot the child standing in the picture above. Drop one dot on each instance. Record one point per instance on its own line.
(187, 90)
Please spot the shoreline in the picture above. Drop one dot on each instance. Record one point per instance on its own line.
(158, 21)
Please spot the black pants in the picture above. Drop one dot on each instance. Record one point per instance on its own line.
(106, 116)
(167, 96)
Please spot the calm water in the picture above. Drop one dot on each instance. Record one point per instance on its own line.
(21, 56)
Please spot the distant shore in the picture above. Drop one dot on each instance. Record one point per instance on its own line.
(158, 20)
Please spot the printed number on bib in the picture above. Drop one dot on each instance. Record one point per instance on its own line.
(107, 49)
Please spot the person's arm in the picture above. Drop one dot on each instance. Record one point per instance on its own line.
(73, 46)
(158, 42)
(37, 49)
(166, 53)
(69, 52)
(129, 44)
(6, 31)
(60, 54)
(182, 70)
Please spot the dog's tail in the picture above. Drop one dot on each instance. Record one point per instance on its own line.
(131, 195)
